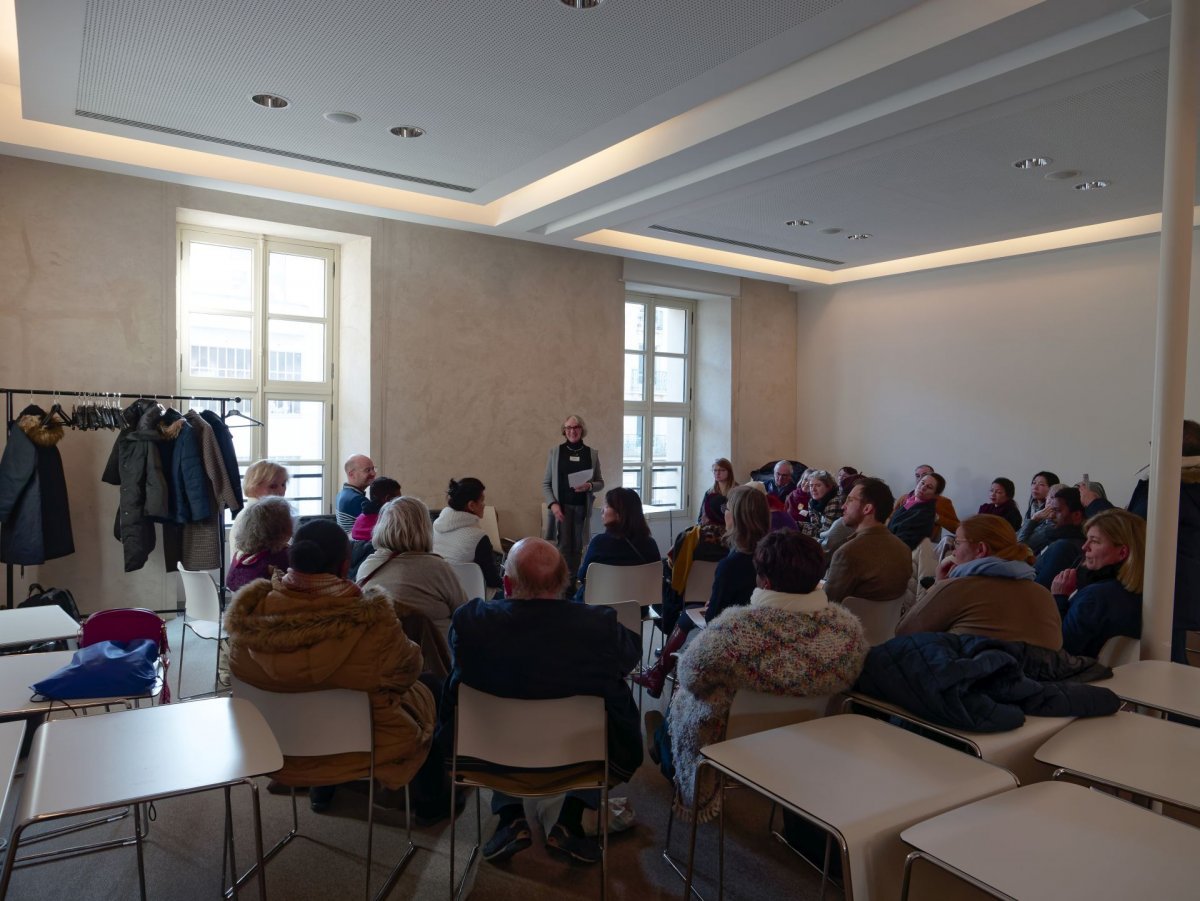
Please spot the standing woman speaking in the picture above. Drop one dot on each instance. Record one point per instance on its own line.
(572, 479)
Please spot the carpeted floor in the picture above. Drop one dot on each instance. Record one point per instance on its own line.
(183, 852)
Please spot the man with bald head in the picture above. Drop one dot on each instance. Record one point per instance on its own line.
(360, 472)
(535, 644)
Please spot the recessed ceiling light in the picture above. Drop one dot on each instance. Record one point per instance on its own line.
(581, 4)
(1033, 162)
(858, 237)
(270, 101)
(407, 131)
(793, 223)
(1061, 175)
(1093, 185)
(343, 118)
(831, 231)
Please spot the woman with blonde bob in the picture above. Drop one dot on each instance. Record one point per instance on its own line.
(264, 478)
(403, 563)
(1103, 598)
(987, 588)
(747, 521)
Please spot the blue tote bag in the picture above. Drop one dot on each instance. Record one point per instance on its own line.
(106, 669)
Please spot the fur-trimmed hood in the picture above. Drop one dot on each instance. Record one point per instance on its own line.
(300, 637)
(30, 422)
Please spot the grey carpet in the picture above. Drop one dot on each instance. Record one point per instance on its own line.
(183, 851)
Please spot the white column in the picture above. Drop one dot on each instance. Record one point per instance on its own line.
(1170, 373)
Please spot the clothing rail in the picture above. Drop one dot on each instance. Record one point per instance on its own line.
(9, 393)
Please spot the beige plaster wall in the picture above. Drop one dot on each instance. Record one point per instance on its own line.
(1000, 368)
(763, 375)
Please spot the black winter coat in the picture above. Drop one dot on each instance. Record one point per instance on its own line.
(1187, 552)
(983, 684)
(33, 493)
(136, 465)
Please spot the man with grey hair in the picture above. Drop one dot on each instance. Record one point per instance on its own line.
(1095, 499)
(781, 483)
(360, 472)
(534, 644)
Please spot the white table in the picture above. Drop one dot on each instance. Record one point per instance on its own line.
(1159, 685)
(1058, 842)
(19, 671)
(1140, 754)
(1013, 750)
(92, 763)
(28, 625)
(859, 779)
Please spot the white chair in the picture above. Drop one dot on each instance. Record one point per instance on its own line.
(643, 583)
(699, 582)
(315, 724)
(879, 618)
(629, 615)
(470, 576)
(1119, 650)
(491, 527)
(201, 615)
(554, 745)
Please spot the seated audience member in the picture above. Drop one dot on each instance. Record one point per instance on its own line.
(839, 533)
(1094, 498)
(846, 477)
(781, 484)
(1064, 540)
(1000, 502)
(712, 507)
(1038, 531)
(308, 630)
(987, 588)
(534, 644)
(457, 535)
(626, 539)
(747, 520)
(874, 564)
(404, 566)
(825, 506)
(266, 531)
(1103, 597)
(944, 514)
(263, 479)
(1035, 509)
(914, 517)
(1187, 549)
(796, 503)
(788, 641)
(360, 472)
(379, 492)
(704, 542)
(779, 515)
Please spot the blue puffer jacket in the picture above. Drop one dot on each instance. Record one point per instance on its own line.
(982, 684)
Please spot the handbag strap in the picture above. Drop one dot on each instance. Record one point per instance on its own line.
(371, 575)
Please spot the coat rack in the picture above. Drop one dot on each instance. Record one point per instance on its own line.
(115, 396)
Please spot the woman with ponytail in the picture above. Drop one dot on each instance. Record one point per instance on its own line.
(987, 588)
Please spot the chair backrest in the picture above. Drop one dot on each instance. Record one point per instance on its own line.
(607, 583)
(629, 615)
(1119, 650)
(470, 576)
(491, 526)
(699, 582)
(879, 618)
(312, 723)
(530, 734)
(754, 711)
(125, 624)
(200, 601)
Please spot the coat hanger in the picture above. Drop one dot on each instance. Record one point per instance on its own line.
(238, 414)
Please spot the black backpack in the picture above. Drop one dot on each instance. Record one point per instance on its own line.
(44, 597)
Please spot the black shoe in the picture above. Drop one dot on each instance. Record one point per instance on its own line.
(575, 848)
(320, 797)
(653, 720)
(507, 841)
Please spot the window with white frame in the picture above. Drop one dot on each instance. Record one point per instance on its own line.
(658, 400)
(256, 320)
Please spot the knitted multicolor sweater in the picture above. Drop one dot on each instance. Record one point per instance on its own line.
(764, 649)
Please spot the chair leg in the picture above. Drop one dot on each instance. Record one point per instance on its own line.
(229, 832)
(604, 841)
(182, 646)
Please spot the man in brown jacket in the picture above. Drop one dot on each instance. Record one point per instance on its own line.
(874, 564)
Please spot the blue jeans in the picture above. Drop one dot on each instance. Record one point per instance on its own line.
(589, 797)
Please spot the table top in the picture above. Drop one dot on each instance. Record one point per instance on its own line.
(19, 671)
(93, 762)
(1140, 753)
(854, 772)
(10, 748)
(1159, 684)
(1059, 842)
(26, 625)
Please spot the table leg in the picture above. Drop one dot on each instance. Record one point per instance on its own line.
(10, 857)
(141, 862)
(721, 836)
(687, 882)
(258, 841)
(232, 850)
